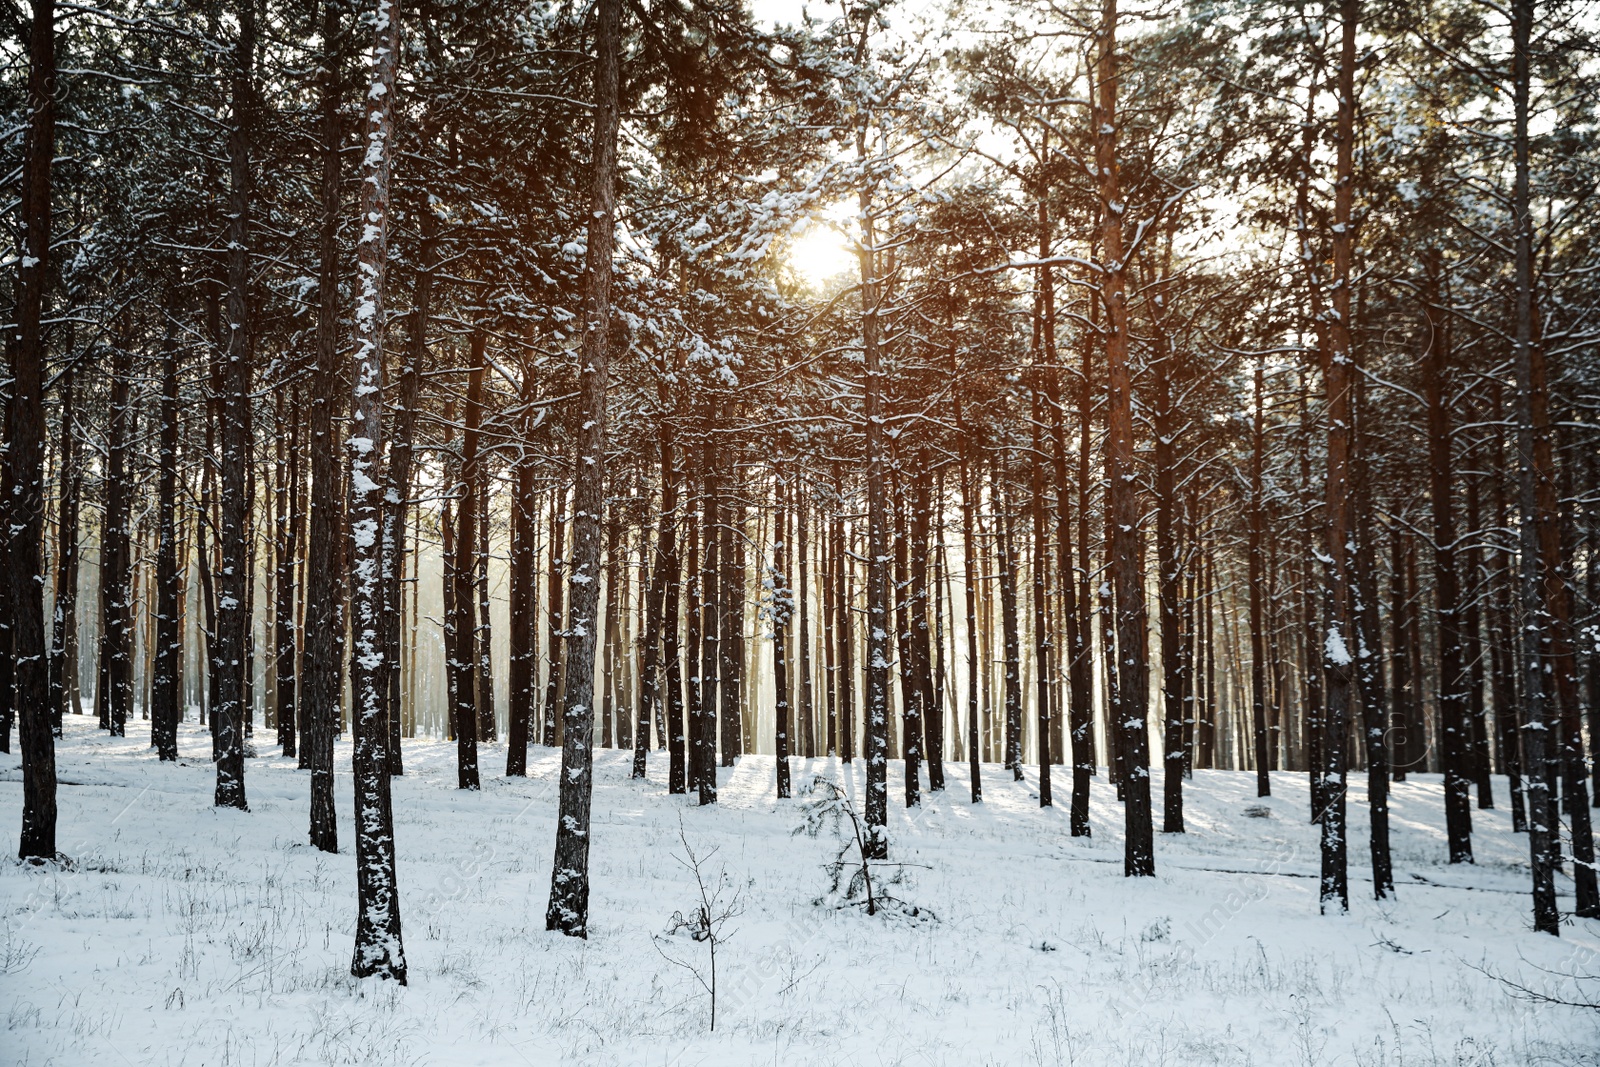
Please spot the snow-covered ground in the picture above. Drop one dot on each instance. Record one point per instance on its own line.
(186, 934)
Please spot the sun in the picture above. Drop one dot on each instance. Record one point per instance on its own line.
(820, 255)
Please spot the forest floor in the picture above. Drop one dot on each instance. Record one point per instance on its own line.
(187, 934)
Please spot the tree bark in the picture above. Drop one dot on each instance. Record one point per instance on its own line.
(464, 659)
(165, 687)
(569, 879)
(24, 457)
(1453, 679)
(1127, 578)
(1336, 651)
(378, 948)
(230, 658)
(324, 584)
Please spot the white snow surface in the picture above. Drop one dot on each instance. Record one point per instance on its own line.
(182, 933)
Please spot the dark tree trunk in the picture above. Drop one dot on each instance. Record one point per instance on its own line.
(284, 662)
(969, 590)
(656, 592)
(230, 659)
(1369, 640)
(1169, 580)
(482, 633)
(1006, 568)
(522, 696)
(910, 694)
(324, 584)
(846, 634)
(731, 644)
(1533, 453)
(1453, 679)
(24, 457)
(1340, 633)
(782, 608)
(1044, 665)
(1074, 588)
(878, 621)
(165, 686)
(64, 631)
(116, 561)
(932, 722)
(569, 878)
(1127, 577)
(710, 638)
(803, 689)
(402, 463)
(464, 658)
(1258, 645)
(553, 594)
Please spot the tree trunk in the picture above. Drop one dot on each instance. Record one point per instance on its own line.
(523, 634)
(229, 658)
(655, 594)
(464, 659)
(378, 948)
(1258, 648)
(324, 582)
(1533, 445)
(116, 610)
(782, 609)
(24, 457)
(64, 631)
(165, 696)
(1453, 680)
(1127, 578)
(569, 879)
(1340, 633)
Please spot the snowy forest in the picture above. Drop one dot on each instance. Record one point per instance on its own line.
(911, 531)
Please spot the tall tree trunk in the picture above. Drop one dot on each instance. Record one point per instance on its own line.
(932, 721)
(324, 584)
(1044, 665)
(165, 696)
(285, 593)
(1127, 577)
(116, 594)
(402, 463)
(655, 594)
(782, 609)
(1453, 680)
(1533, 453)
(1168, 578)
(23, 492)
(553, 593)
(482, 633)
(969, 591)
(1258, 645)
(230, 659)
(846, 635)
(1369, 642)
(878, 621)
(1340, 634)
(378, 948)
(63, 634)
(569, 879)
(710, 637)
(464, 659)
(731, 642)
(523, 634)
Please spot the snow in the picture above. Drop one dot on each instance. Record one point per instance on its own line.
(185, 933)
